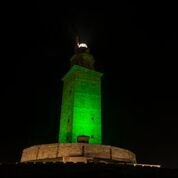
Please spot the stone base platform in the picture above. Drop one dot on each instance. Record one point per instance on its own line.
(77, 152)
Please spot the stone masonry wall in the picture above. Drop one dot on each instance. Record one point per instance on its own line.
(70, 150)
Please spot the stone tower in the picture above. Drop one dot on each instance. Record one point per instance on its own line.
(81, 100)
(80, 120)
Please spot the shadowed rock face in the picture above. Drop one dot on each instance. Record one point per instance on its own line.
(77, 152)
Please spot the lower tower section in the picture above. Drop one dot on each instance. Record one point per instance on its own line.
(81, 106)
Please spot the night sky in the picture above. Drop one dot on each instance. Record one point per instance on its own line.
(134, 45)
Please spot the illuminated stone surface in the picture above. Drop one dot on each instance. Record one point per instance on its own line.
(77, 152)
(81, 106)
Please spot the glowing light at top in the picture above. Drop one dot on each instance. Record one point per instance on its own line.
(82, 45)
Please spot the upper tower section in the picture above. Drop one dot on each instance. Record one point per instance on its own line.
(82, 56)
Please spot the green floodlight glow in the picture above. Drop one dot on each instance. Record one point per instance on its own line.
(81, 106)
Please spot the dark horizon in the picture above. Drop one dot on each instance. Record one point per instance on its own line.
(135, 48)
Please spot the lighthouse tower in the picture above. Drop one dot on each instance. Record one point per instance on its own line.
(80, 133)
(81, 100)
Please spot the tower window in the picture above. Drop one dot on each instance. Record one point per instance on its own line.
(92, 118)
(92, 136)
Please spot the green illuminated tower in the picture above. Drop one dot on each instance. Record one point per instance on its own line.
(80, 121)
(81, 100)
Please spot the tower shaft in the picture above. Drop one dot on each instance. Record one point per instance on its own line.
(81, 105)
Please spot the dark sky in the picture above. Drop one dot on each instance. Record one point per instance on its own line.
(134, 45)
